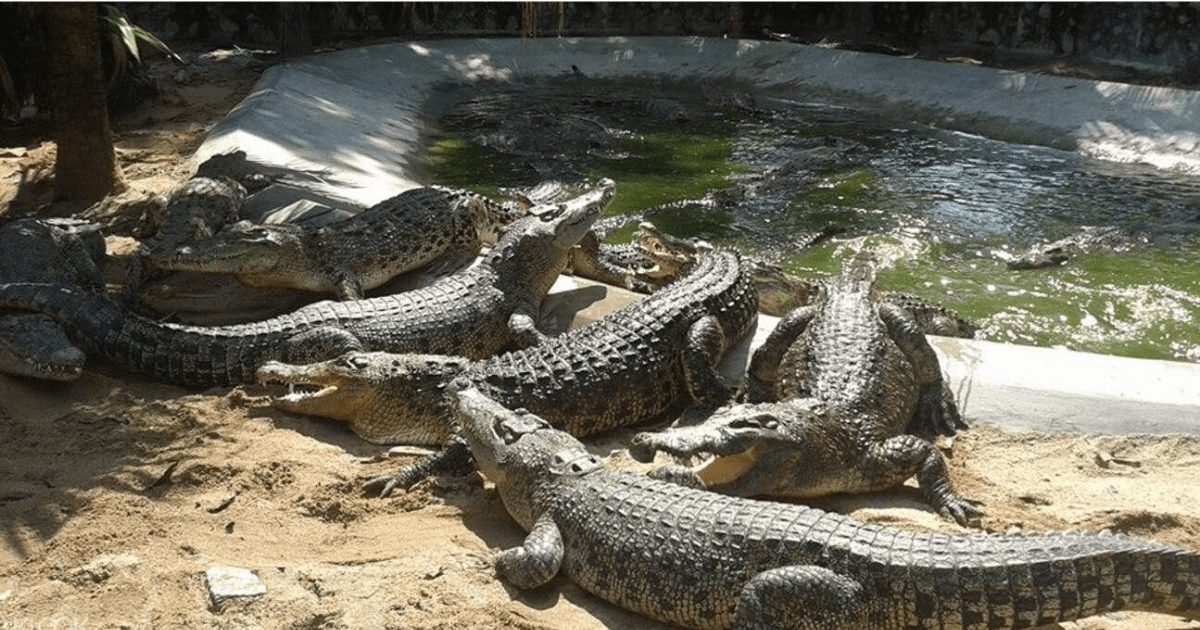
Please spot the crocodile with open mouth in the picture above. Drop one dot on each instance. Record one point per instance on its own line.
(635, 365)
(474, 313)
(33, 250)
(704, 560)
(845, 395)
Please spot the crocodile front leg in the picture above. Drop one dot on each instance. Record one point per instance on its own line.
(936, 412)
(764, 365)
(347, 286)
(454, 459)
(701, 352)
(678, 475)
(537, 560)
(931, 318)
(894, 460)
(800, 598)
(522, 329)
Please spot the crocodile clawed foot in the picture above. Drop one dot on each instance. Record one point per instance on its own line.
(643, 448)
(385, 486)
(962, 511)
(678, 475)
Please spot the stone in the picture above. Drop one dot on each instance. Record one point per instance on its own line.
(229, 582)
(102, 568)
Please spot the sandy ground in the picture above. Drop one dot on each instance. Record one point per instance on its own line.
(116, 494)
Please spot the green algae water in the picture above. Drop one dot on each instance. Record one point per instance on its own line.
(941, 210)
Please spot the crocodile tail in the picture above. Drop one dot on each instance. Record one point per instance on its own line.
(91, 316)
(176, 353)
(1064, 577)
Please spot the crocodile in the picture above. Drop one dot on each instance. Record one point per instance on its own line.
(704, 560)
(33, 250)
(633, 266)
(845, 395)
(779, 292)
(474, 313)
(641, 363)
(195, 210)
(1059, 252)
(435, 228)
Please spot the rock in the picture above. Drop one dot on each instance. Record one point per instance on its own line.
(5, 596)
(12, 152)
(228, 582)
(102, 569)
(183, 76)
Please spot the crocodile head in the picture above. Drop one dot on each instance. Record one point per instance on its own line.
(241, 248)
(1040, 258)
(746, 446)
(35, 346)
(518, 451)
(780, 292)
(673, 255)
(386, 398)
(535, 249)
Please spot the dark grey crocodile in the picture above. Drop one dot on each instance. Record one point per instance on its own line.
(1060, 251)
(45, 251)
(704, 560)
(855, 380)
(434, 228)
(195, 210)
(635, 365)
(475, 313)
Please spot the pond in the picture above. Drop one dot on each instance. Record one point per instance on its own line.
(941, 210)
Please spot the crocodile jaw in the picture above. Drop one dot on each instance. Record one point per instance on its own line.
(34, 346)
(306, 393)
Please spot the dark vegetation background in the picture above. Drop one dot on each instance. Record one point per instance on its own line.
(1141, 42)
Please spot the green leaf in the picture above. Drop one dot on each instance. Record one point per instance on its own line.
(156, 43)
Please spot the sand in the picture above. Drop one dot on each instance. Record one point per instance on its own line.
(117, 493)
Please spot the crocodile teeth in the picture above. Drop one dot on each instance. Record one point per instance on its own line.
(302, 391)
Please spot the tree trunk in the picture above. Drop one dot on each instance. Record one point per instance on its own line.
(86, 168)
(295, 38)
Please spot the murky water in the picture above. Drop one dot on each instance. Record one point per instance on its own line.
(940, 209)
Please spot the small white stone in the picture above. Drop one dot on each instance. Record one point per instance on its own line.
(5, 596)
(227, 582)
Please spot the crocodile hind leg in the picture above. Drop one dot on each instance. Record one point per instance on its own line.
(764, 365)
(538, 559)
(702, 351)
(894, 460)
(936, 412)
(801, 597)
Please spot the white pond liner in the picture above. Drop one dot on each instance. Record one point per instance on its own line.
(344, 129)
